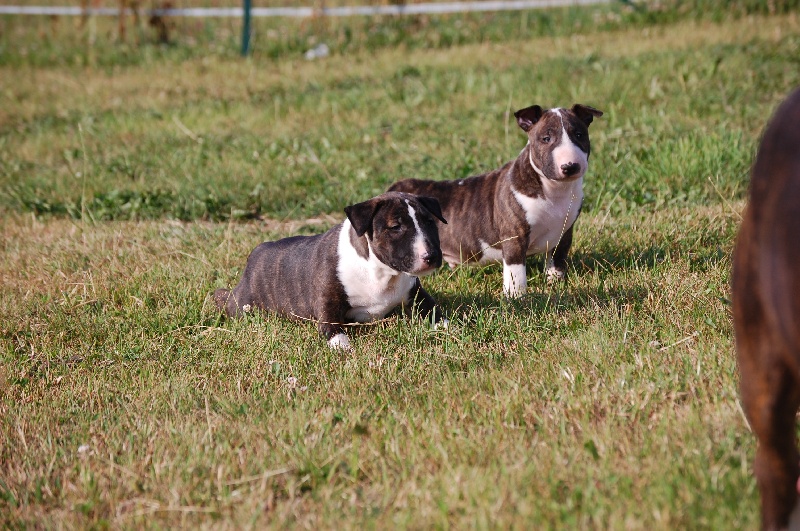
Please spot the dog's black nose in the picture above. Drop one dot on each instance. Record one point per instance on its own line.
(432, 258)
(570, 168)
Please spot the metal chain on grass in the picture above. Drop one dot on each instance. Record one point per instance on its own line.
(564, 227)
(371, 323)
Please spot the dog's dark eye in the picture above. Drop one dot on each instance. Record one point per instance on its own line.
(546, 139)
(578, 134)
(394, 228)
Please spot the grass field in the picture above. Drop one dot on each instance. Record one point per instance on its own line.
(135, 179)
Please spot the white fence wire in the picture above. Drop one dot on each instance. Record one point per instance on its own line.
(302, 12)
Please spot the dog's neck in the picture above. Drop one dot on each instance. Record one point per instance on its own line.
(530, 160)
(524, 176)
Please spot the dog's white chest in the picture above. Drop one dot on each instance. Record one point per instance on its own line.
(373, 289)
(550, 216)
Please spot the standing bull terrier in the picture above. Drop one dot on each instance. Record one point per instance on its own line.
(358, 271)
(526, 207)
(766, 314)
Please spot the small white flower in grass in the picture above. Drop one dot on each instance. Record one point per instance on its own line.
(82, 449)
(246, 308)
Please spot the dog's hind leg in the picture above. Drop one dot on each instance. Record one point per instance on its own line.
(771, 397)
(227, 301)
(221, 298)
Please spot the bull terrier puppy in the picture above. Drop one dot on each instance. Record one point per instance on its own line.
(526, 207)
(358, 271)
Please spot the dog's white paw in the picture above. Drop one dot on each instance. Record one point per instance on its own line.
(340, 342)
(515, 283)
(555, 274)
(443, 324)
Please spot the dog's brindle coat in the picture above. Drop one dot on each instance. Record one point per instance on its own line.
(526, 207)
(766, 314)
(358, 271)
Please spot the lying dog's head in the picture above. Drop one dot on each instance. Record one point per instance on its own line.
(558, 140)
(400, 230)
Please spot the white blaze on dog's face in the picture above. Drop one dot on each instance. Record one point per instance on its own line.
(558, 140)
(568, 158)
(420, 249)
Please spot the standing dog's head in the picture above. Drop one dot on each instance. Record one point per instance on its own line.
(558, 140)
(401, 230)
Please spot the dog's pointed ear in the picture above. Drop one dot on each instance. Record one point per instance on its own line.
(585, 113)
(431, 204)
(528, 116)
(361, 214)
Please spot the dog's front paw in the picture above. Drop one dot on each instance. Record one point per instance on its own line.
(515, 292)
(441, 324)
(555, 274)
(340, 342)
(515, 282)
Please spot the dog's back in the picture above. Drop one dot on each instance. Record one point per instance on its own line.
(766, 311)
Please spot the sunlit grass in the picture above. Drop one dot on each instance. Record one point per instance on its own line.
(607, 402)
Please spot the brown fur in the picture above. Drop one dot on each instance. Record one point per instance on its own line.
(766, 311)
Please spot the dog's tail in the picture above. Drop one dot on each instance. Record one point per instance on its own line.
(221, 298)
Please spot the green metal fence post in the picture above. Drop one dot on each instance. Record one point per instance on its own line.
(246, 28)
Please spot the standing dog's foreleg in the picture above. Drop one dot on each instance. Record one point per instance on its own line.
(556, 261)
(515, 280)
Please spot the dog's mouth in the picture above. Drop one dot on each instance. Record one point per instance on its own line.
(571, 169)
(426, 267)
(427, 262)
(425, 271)
(561, 178)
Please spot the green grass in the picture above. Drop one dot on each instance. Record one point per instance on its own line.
(130, 189)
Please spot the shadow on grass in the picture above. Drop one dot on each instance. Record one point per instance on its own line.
(563, 296)
(604, 260)
(545, 300)
(482, 311)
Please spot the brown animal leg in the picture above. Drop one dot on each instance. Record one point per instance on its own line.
(771, 399)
